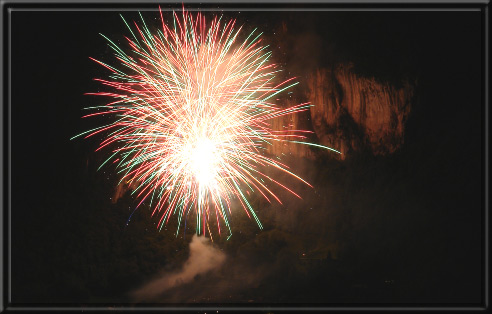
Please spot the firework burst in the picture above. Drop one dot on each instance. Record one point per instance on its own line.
(193, 106)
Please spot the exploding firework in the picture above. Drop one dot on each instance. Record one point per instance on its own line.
(193, 109)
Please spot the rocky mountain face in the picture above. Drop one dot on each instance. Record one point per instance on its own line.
(349, 113)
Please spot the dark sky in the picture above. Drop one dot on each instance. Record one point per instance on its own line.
(70, 244)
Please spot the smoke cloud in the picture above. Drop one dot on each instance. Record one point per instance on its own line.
(203, 258)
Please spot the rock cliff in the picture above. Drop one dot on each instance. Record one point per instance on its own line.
(350, 113)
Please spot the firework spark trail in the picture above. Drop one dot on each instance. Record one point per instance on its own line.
(193, 111)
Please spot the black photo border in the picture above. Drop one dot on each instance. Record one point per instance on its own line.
(7, 6)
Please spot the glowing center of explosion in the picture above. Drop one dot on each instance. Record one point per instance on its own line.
(204, 161)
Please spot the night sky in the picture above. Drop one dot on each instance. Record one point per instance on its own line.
(408, 226)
